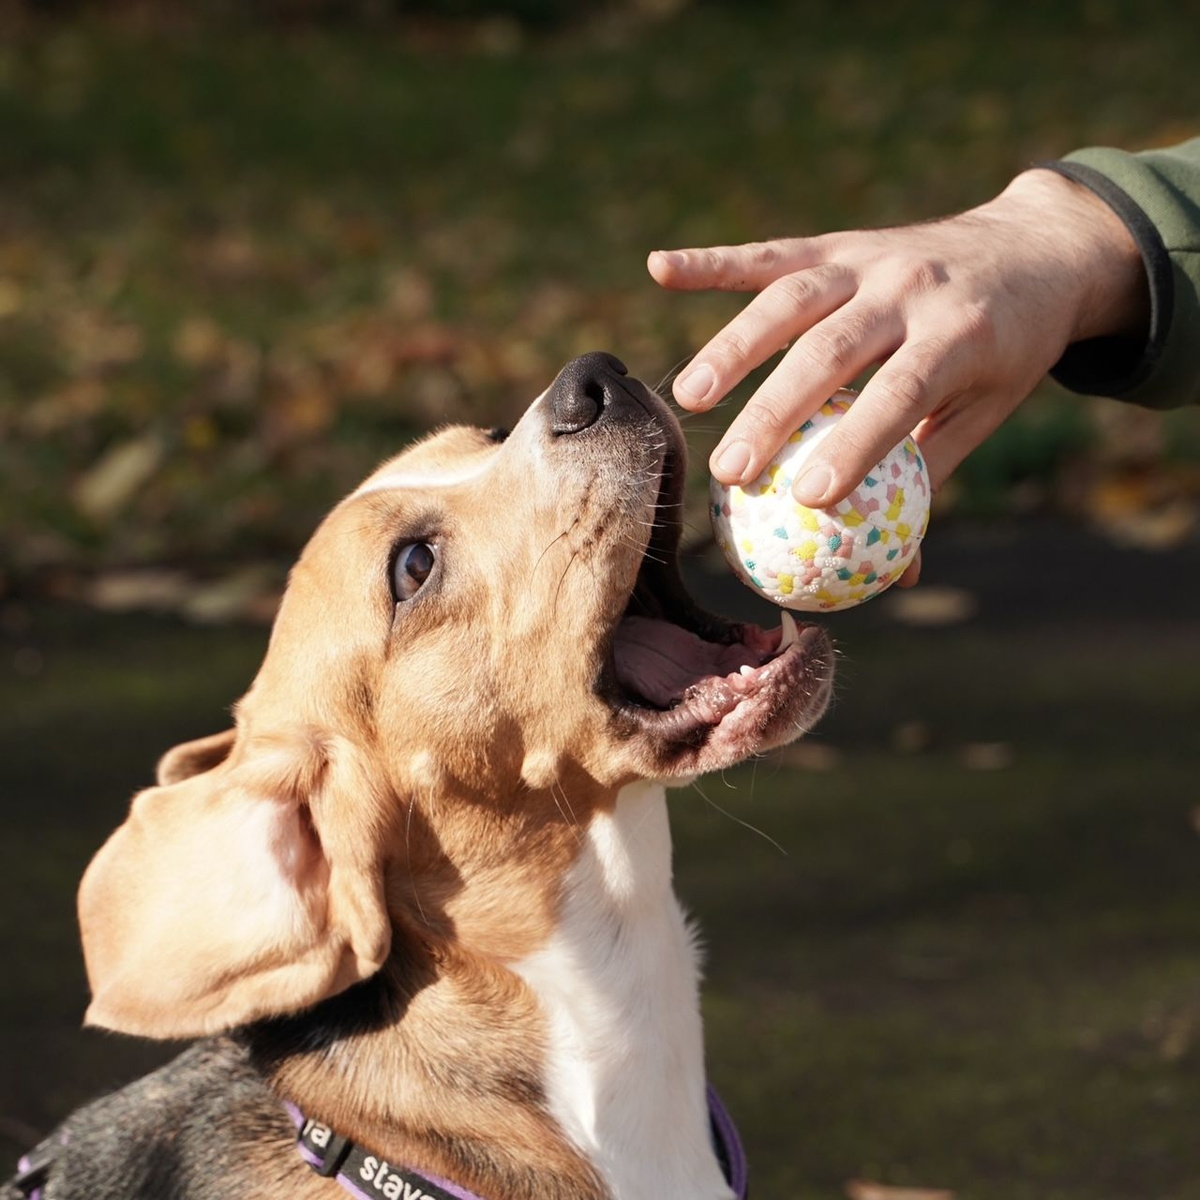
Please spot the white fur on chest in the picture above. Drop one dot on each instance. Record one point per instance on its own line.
(618, 983)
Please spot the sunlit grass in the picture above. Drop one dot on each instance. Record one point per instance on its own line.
(254, 260)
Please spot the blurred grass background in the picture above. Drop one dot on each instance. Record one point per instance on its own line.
(246, 254)
(240, 260)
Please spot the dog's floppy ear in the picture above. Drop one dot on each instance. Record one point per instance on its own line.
(194, 758)
(252, 889)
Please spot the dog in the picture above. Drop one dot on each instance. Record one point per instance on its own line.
(417, 904)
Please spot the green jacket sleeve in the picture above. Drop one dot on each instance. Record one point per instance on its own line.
(1157, 195)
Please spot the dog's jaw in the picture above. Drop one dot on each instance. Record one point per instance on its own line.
(694, 691)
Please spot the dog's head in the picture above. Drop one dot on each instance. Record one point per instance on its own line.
(488, 635)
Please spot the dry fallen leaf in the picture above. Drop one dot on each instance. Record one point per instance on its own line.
(250, 594)
(911, 737)
(1163, 528)
(986, 756)
(929, 606)
(75, 402)
(11, 297)
(198, 342)
(861, 1189)
(811, 756)
(111, 483)
(138, 590)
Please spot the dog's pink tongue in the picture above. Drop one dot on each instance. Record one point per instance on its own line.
(660, 661)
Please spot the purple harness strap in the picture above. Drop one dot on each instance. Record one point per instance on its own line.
(364, 1175)
(728, 1144)
(25, 1169)
(370, 1177)
(34, 1167)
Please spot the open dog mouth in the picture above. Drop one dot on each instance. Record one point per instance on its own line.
(684, 673)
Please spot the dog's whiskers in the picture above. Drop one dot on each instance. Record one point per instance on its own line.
(753, 828)
(572, 821)
(670, 376)
(624, 541)
(688, 416)
(563, 577)
(550, 546)
(412, 877)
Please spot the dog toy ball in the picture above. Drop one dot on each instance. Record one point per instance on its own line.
(824, 559)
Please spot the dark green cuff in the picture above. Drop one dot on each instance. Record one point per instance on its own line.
(1116, 366)
(1157, 197)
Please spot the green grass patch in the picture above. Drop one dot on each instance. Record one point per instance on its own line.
(980, 979)
(277, 252)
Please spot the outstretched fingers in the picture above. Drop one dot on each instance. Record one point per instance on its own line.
(782, 311)
(825, 358)
(918, 378)
(746, 268)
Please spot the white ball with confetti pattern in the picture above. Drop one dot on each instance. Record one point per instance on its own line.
(821, 560)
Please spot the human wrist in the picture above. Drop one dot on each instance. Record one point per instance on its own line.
(1108, 288)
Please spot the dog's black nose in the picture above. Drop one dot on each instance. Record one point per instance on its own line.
(582, 391)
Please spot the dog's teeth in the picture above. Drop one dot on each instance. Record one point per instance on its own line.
(746, 669)
(790, 634)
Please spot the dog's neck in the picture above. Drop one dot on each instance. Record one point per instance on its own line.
(574, 1071)
(618, 983)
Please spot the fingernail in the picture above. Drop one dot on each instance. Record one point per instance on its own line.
(697, 382)
(812, 485)
(732, 460)
(672, 258)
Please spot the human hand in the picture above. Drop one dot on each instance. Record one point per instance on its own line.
(965, 314)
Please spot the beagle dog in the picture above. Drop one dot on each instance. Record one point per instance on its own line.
(417, 904)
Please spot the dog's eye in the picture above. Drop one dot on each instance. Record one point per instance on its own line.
(497, 435)
(411, 569)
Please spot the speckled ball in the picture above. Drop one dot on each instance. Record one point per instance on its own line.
(821, 560)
